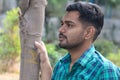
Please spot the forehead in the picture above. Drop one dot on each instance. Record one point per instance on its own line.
(71, 16)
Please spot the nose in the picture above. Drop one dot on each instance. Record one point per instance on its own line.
(62, 29)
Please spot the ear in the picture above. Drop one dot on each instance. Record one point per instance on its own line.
(89, 33)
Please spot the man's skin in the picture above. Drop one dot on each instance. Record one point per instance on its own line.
(73, 36)
(46, 69)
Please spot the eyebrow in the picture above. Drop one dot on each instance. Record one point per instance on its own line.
(67, 22)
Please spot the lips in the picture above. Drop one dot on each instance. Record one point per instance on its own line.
(61, 37)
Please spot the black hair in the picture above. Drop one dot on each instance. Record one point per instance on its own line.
(89, 14)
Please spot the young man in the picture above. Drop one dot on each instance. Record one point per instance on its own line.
(80, 26)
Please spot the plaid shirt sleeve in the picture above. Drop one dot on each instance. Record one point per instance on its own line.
(110, 74)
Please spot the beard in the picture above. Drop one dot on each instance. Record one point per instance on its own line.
(70, 44)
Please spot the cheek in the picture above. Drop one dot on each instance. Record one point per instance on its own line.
(75, 36)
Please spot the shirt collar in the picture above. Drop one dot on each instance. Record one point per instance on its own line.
(83, 59)
(66, 58)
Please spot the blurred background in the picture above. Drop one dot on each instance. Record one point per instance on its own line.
(108, 42)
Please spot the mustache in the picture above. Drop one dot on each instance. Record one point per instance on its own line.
(62, 35)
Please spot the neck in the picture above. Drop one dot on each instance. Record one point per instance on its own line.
(78, 51)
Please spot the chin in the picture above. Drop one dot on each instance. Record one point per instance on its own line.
(63, 46)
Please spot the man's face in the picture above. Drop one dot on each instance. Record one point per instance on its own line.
(71, 32)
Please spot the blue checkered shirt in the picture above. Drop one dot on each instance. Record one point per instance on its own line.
(90, 66)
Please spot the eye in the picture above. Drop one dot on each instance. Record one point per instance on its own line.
(61, 23)
(70, 25)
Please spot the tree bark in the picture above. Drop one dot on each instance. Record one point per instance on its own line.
(31, 23)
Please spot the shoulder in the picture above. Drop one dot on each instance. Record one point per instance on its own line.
(57, 65)
(59, 68)
(61, 62)
(55, 70)
(109, 71)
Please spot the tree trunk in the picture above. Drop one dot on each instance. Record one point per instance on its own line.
(31, 23)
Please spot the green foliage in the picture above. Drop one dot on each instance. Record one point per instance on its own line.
(9, 40)
(112, 3)
(115, 58)
(55, 7)
(109, 50)
(105, 47)
(54, 53)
